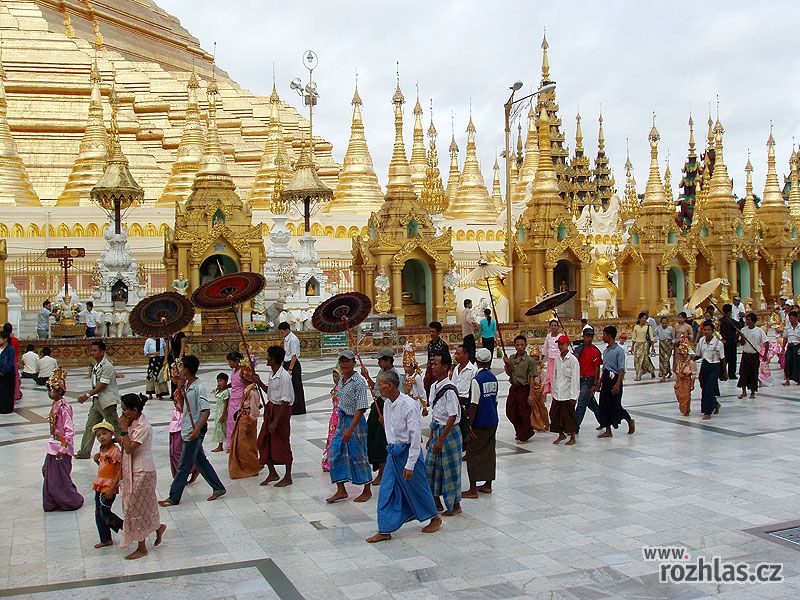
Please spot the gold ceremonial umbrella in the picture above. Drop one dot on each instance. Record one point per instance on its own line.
(483, 272)
(702, 292)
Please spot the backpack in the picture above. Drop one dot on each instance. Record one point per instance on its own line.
(463, 423)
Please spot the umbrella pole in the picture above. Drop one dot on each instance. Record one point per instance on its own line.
(246, 349)
(497, 321)
(184, 404)
(354, 342)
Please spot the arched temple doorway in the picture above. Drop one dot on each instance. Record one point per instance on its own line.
(743, 278)
(676, 287)
(215, 266)
(417, 292)
(564, 280)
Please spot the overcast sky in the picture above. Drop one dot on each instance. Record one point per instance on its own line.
(630, 57)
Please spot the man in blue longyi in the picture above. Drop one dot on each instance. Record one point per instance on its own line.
(404, 493)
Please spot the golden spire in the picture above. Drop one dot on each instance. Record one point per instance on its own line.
(654, 189)
(528, 171)
(578, 133)
(15, 187)
(580, 175)
(668, 184)
(772, 189)
(357, 190)
(545, 185)
(472, 199)
(399, 169)
(692, 147)
(90, 163)
(545, 60)
(631, 199)
(497, 194)
(190, 150)
(720, 191)
(749, 208)
(419, 159)
(710, 143)
(519, 157)
(603, 179)
(213, 171)
(433, 197)
(794, 189)
(454, 174)
(275, 165)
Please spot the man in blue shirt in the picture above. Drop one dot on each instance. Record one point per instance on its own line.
(611, 412)
(193, 429)
(481, 458)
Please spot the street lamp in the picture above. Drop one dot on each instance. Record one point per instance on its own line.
(509, 223)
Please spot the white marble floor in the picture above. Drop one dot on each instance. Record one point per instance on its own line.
(562, 522)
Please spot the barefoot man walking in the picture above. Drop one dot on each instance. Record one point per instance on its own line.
(404, 493)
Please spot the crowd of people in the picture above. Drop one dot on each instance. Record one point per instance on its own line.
(374, 436)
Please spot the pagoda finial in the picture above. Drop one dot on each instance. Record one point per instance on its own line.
(190, 150)
(16, 189)
(720, 188)
(749, 208)
(399, 169)
(578, 133)
(472, 200)
(601, 136)
(668, 183)
(90, 163)
(692, 147)
(497, 193)
(631, 199)
(794, 187)
(454, 173)
(419, 158)
(433, 197)
(654, 189)
(431, 128)
(213, 169)
(545, 59)
(545, 185)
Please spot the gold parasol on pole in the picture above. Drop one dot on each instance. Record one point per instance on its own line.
(483, 272)
(703, 292)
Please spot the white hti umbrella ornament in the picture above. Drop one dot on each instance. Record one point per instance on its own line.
(483, 272)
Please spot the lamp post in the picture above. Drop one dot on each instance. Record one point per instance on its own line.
(508, 106)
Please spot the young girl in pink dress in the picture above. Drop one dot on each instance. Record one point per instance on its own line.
(551, 352)
(333, 421)
(237, 392)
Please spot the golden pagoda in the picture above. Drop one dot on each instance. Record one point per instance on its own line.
(579, 175)
(630, 200)
(602, 177)
(668, 185)
(454, 174)
(794, 187)
(472, 201)
(403, 252)
(93, 153)
(646, 281)
(358, 190)
(548, 250)
(497, 194)
(547, 100)
(419, 158)
(275, 168)
(190, 150)
(527, 172)
(433, 198)
(15, 187)
(214, 233)
(749, 206)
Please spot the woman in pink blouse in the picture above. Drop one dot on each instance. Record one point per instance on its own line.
(59, 491)
(237, 393)
(551, 353)
(138, 477)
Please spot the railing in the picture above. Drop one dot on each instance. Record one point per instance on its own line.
(38, 278)
(339, 271)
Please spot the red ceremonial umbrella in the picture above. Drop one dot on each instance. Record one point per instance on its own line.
(161, 315)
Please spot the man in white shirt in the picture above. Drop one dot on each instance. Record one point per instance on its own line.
(443, 458)
(404, 493)
(712, 353)
(89, 317)
(751, 339)
(791, 333)
(738, 311)
(469, 325)
(47, 364)
(566, 389)
(291, 346)
(43, 321)
(274, 443)
(463, 374)
(30, 363)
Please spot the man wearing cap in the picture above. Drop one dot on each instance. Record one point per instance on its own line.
(348, 449)
(589, 361)
(566, 389)
(483, 418)
(376, 436)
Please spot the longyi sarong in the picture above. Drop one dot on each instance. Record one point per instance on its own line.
(748, 371)
(665, 358)
(276, 447)
(791, 369)
(611, 412)
(562, 417)
(349, 460)
(140, 504)
(518, 411)
(444, 468)
(709, 385)
(400, 501)
(481, 457)
(59, 491)
(243, 459)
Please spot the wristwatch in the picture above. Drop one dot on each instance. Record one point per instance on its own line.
(123, 433)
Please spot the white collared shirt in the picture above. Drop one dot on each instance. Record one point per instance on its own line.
(710, 351)
(738, 312)
(567, 378)
(279, 388)
(401, 421)
(755, 336)
(468, 322)
(291, 345)
(462, 378)
(89, 317)
(30, 362)
(792, 334)
(447, 406)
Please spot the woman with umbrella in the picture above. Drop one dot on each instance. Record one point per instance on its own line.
(237, 393)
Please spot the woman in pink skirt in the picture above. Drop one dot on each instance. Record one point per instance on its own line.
(551, 353)
(333, 421)
(237, 392)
